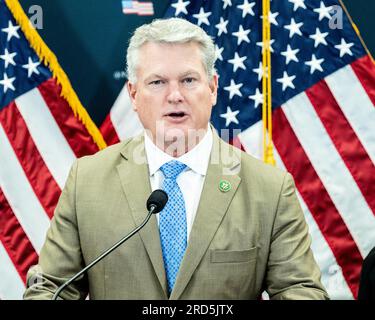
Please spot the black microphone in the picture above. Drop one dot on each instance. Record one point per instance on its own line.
(155, 203)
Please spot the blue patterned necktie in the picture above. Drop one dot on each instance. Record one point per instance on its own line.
(172, 222)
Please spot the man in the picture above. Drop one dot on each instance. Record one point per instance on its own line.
(232, 226)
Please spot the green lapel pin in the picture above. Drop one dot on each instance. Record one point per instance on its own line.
(224, 186)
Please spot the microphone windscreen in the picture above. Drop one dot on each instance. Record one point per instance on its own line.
(157, 198)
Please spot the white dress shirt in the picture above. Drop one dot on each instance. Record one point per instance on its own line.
(190, 180)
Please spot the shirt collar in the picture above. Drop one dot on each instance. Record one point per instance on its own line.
(196, 159)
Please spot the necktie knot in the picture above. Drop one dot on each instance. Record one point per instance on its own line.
(172, 169)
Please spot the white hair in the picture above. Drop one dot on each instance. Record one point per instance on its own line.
(173, 30)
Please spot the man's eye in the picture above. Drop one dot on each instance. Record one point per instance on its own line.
(189, 80)
(156, 82)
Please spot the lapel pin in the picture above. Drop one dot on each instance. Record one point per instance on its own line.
(224, 186)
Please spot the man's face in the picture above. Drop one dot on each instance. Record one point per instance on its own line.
(172, 89)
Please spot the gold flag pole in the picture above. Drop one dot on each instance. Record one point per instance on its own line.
(268, 156)
(264, 80)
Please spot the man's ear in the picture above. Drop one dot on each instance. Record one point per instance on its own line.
(132, 90)
(213, 87)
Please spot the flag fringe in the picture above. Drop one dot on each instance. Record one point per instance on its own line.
(48, 57)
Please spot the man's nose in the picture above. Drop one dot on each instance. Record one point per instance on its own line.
(174, 94)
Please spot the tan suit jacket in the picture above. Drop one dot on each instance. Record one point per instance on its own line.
(250, 238)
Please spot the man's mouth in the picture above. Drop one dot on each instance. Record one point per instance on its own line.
(176, 115)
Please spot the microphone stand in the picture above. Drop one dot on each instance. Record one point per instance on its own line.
(104, 254)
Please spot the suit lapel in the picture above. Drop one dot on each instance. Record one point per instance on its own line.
(211, 210)
(135, 181)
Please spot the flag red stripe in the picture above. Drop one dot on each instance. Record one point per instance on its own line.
(364, 68)
(108, 131)
(38, 174)
(74, 130)
(15, 241)
(317, 200)
(345, 140)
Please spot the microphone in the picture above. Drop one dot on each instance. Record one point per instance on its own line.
(155, 203)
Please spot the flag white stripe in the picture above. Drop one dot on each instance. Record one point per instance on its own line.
(144, 5)
(356, 106)
(145, 13)
(124, 119)
(50, 141)
(130, 11)
(251, 140)
(11, 284)
(332, 276)
(20, 195)
(332, 171)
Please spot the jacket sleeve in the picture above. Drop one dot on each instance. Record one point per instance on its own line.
(60, 257)
(292, 271)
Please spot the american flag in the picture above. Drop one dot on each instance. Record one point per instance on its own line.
(40, 137)
(323, 93)
(137, 7)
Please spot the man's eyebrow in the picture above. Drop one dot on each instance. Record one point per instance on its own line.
(159, 76)
(153, 76)
(190, 72)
